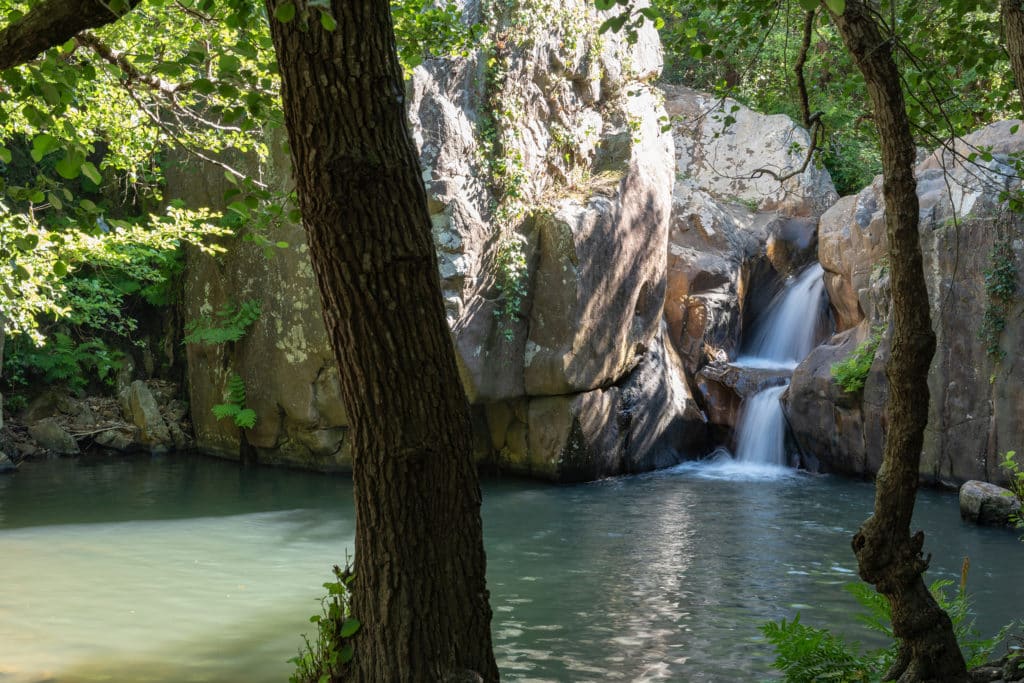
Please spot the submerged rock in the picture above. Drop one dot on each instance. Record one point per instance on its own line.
(987, 504)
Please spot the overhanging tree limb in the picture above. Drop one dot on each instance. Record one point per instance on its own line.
(54, 22)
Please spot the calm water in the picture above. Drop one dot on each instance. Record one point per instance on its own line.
(183, 569)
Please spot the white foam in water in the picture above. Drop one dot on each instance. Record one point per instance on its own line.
(721, 465)
(788, 327)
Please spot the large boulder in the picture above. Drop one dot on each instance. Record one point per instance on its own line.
(987, 504)
(50, 434)
(572, 207)
(647, 422)
(285, 359)
(976, 397)
(141, 409)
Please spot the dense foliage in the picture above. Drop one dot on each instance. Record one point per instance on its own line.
(87, 132)
(957, 76)
(806, 653)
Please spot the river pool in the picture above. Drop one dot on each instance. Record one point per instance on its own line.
(183, 568)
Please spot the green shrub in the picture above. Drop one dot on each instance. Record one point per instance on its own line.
(61, 361)
(324, 658)
(806, 653)
(851, 373)
(1009, 463)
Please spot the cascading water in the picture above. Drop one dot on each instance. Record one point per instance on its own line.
(761, 434)
(787, 330)
(784, 334)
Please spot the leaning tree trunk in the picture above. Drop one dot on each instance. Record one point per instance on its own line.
(1013, 30)
(419, 587)
(887, 555)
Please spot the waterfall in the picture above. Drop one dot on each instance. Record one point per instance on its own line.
(761, 433)
(782, 336)
(788, 328)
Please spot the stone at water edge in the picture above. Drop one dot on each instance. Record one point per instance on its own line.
(140, 407)
(49, 434)
(987, 504)
(6, 464)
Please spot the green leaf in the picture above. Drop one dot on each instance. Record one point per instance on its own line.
(60, 269)
(347, 653)
(90, 172)
(327, 21)
(604, 4)
(349, 628)
(70, 167)
(809, 4)
(836, 6)
(42, 145)
(5, 155)
(285, 12)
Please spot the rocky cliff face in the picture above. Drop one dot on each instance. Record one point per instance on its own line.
(976, 397)
(549, 179)
(735, 231)
(596, 240)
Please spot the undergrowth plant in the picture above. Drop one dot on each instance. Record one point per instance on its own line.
(807, 653)
(1016, 484)
(234, 404)
(61, 361)
(852, 373)
(227, 326)
(323, 659)
(1001, 288)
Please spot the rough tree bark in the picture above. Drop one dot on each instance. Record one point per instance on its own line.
(888, 556)
(54, 22)
(419, 587)
(1013, 29)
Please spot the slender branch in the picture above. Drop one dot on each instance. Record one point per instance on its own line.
(118, 59)
(189, 149)
(798, 67)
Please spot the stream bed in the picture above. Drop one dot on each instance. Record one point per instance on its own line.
(183, 568)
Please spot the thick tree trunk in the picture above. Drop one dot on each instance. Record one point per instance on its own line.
(1013, 29)
(419, 587)
(887, 555)
(54, 22)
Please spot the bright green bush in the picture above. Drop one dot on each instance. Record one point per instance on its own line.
(806, 653)
(851, 373)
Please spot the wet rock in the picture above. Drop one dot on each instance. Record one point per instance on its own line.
(724, 386)
(987, 504)
(51, 435)
(140, 407)
(6, 464)
(118, 438)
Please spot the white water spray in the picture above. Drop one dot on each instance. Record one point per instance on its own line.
(761, 433)
(787, 330)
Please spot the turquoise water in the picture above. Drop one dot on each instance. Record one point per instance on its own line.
(191, 569)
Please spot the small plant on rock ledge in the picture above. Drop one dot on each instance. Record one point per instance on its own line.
(852, 373)
(511, 282)
(234, 404)
(1001, 288)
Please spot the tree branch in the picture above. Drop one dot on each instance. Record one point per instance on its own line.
(798, 67)
(51, 23)
(131, 72)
